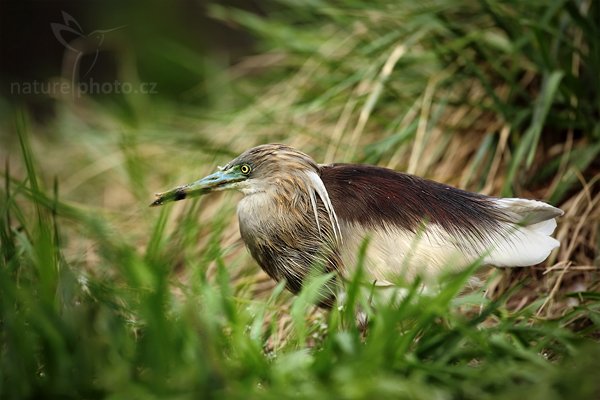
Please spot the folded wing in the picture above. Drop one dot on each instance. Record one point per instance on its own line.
(417, 225)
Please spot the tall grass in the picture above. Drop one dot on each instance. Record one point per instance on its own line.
(122, 332)
(101, 297)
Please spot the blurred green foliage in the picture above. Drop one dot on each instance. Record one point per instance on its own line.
(120, 329)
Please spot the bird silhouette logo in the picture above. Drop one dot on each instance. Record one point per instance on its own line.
(82, 44)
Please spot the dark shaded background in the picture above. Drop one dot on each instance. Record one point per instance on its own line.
(172, 43)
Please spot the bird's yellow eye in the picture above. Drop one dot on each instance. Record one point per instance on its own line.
(245, 169)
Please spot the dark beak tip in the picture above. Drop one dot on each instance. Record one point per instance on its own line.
(159, 201)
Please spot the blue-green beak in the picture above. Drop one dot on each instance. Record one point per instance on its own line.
(220, 180)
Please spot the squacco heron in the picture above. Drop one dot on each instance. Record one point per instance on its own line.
(299, 218)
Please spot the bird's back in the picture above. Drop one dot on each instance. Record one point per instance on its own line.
(420, 227)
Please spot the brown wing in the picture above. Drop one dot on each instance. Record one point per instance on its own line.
(375, 197)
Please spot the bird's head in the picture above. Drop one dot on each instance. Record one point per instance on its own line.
(256, 170)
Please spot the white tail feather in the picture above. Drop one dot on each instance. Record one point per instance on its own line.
(528, 212)
(527, 240)
(545, 227)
